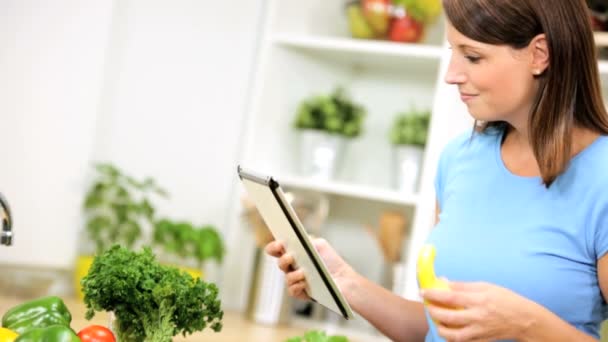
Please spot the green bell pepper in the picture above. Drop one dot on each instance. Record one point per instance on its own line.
(54, 333)
(38, 313)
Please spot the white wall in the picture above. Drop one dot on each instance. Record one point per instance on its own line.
(157, 87)
(175, 95)
(51, 58)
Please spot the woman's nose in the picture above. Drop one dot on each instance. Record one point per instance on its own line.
(454, 78)
(454, 74)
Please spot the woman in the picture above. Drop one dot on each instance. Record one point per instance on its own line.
(522, 227)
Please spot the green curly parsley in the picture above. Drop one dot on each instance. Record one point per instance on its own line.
(151, 302)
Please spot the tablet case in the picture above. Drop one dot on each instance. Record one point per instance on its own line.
(280, 217)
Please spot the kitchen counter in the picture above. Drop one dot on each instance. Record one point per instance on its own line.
(236, 326)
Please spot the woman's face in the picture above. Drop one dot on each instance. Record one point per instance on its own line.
(496, 82)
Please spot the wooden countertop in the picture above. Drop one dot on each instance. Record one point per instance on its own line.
(236, 327)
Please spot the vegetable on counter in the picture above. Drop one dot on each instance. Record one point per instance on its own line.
(7, 335)
(96, 333)
(38, 313)
(53, 333)
(151, 302)
(318, 336)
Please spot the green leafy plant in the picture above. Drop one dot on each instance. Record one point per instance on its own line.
(188, 241)
(317, 336)
(151, 302)
(116, 207)
(410, 128)
(334, 113)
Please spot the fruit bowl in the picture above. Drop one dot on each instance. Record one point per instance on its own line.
(396, 20)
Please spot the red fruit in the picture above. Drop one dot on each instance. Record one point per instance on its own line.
(406, 29)
(96, 333)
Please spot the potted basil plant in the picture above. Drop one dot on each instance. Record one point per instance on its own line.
(326, 122)
(408, 135)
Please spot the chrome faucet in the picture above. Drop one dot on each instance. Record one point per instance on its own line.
(6, 235)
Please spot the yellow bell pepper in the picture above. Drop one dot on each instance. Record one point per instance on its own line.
(426, 270)
(7, 335)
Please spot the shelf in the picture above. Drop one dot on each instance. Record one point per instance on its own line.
(603, 66)
(363, 53)
(601, 38)
(349, 190)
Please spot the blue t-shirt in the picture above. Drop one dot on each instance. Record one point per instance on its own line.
(512, 231)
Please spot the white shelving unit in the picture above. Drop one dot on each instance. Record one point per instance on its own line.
(357, 47)
(603, 67)
(306, 49)
(350, 190)
(601, 40)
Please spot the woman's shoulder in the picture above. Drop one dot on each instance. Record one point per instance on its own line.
(592, 162)
(596, 151)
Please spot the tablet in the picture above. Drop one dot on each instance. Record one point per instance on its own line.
(281, 219)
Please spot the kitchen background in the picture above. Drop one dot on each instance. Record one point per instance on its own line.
(181, 92)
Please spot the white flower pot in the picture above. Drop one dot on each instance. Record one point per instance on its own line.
(320, 153)
(407, 163)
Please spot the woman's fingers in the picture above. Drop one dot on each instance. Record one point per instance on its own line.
(286, 262)
(320, 244)
(298, 290)
(275, 249)
(449, 299)
(450, 317)
(296, 284)
(296, 281)
(294, 277)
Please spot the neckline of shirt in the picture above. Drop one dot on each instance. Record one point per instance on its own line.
(501, 164)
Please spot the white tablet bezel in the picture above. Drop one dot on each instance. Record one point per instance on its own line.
(285, 226)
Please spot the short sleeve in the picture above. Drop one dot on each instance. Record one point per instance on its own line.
(601, 231)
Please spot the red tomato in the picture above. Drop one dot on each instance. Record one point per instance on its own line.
(406, 29)
(96, 333)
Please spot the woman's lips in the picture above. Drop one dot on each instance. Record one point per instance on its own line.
(466, 97)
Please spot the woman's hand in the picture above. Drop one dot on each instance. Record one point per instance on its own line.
(486, 312)
(340, 271)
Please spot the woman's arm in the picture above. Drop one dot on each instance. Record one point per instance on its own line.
(545, 326)
(397, 318)
(400, 320)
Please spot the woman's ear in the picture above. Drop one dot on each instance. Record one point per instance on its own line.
(540, 54)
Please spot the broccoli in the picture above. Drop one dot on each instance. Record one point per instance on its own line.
(151, 302)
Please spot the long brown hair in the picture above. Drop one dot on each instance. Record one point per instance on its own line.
(569, 90)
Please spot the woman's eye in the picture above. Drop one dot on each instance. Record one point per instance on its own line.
(472, 59)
